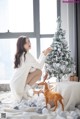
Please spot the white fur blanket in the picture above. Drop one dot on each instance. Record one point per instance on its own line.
(70, 92)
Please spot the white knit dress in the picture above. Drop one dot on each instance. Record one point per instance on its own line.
(18, 81)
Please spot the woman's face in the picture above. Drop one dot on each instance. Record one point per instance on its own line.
(27, 45)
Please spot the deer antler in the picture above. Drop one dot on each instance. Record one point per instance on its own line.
(45, 77)
(43, 82)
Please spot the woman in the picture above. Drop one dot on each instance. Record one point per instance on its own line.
(27, 70)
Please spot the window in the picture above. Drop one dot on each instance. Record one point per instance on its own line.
(33, 47)
(21, 17)
(48, 16)
(16, 15)
(48, 42)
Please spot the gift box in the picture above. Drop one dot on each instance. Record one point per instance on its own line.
(73, 78)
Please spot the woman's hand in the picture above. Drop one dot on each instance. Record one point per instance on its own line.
(47, 50)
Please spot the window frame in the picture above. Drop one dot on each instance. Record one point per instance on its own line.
(36, 20)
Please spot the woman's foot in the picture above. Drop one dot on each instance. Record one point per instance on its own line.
(29, 90)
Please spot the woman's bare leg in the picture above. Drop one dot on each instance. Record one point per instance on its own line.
(33, 77)
(33, 81)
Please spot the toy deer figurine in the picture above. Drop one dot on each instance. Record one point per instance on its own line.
(51, 95)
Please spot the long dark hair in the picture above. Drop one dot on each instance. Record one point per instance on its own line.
(19, 50)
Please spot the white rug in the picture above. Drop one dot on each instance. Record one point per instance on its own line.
(33, 109)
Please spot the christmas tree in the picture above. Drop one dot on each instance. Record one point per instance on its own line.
(59, 61)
